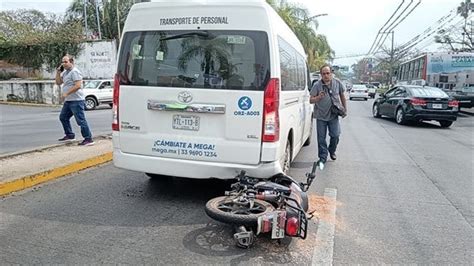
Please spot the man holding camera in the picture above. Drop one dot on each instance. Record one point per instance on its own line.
(74, 101)
(325, 93)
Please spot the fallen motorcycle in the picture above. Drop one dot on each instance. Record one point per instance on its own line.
(276, 205)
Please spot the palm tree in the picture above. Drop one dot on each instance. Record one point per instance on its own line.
(315, 45)
(110, 12)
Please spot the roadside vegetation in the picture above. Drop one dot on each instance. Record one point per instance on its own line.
(32, 39)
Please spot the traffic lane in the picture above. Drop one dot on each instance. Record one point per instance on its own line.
(27, 127)
(444, 154)
(111, 215)
(391, 206)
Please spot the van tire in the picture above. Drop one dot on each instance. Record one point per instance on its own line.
(285, 164)
(308, 140)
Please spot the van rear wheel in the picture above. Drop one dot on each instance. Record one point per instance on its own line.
(286, 160)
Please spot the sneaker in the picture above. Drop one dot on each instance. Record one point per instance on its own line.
(86, 142)
(333, 156)
(321, 164)
(67, 138)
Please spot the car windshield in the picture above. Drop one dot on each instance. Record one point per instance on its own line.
(196, 59)
(428, 92)
(91, 84)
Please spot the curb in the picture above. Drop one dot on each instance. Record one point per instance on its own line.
(35, 179)
(30, 104)
(52, 146)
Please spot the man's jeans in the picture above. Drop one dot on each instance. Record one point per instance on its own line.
(75, 108)
(334, 132)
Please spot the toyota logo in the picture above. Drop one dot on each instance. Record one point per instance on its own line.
(185, 97)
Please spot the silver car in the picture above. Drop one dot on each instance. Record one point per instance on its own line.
(98, 92)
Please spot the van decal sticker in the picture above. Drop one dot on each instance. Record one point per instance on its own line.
(191, 149)
(193, 20)
(245, 103)
(126, 125)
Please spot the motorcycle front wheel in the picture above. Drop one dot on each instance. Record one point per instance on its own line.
(225, 210)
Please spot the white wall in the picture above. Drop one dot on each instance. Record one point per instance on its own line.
(97, 60)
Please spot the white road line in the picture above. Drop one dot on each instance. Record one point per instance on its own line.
(323, 252)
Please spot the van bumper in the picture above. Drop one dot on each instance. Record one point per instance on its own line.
(189, 168)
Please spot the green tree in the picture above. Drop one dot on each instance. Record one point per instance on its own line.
(31, 38)
(110, 12)
(316, 46)
(459, 39)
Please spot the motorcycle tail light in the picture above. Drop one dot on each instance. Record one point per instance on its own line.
(292, 226)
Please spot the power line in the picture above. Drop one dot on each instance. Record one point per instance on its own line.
(445, 19)
(429, 42)
(434, 31)
(381, 29)
(392, 28)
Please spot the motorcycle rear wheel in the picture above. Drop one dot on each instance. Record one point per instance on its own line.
(224, 210)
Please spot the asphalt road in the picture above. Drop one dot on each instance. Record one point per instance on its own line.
(404, 196)
(25, 127)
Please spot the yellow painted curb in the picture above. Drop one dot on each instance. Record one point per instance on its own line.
(35, 179)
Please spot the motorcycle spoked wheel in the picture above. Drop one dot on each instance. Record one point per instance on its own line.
(223, 209)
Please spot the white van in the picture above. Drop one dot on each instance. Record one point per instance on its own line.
(207, 89)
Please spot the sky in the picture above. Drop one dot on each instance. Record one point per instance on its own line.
(350, 26)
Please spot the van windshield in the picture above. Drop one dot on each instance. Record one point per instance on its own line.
(235, 60)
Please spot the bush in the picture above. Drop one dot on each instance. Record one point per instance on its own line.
(4, 75)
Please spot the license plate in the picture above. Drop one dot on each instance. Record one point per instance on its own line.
(278, 225)
(186, 122)
(437, 106)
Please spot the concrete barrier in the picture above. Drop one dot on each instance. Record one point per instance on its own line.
(30, 91)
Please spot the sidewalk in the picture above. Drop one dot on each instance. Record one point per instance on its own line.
(26, 169)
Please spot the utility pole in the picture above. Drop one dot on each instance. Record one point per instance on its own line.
(391, 58)
(85, 18)
(98, 19)
(118, 20)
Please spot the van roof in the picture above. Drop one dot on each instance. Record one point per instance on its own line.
(145, 16)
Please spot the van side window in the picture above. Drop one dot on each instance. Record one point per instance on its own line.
(292, 67)
(234, 60)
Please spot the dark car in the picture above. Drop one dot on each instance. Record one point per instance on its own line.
(465, 96)
(417, 103)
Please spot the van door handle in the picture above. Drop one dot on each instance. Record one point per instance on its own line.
(193, 108)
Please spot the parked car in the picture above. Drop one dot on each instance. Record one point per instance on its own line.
(416, 103)
(359, 91)
(372, 90)
(98, 92)
(465, 96)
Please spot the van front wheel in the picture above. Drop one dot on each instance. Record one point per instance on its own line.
(308, 140)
